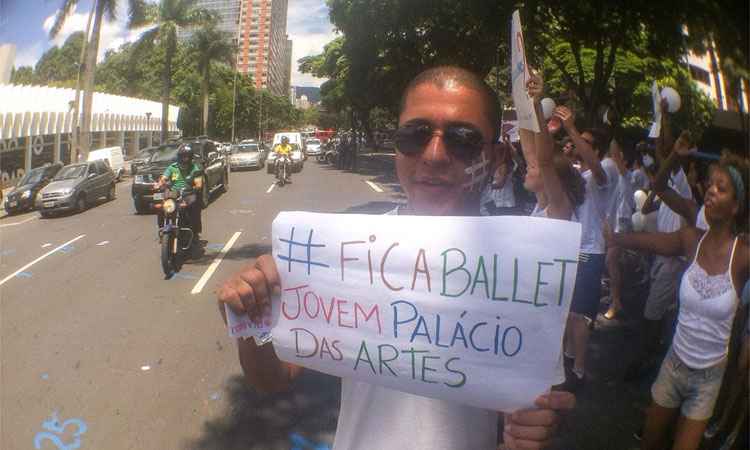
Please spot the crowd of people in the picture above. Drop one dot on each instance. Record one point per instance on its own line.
(661, 210)
(453, 159)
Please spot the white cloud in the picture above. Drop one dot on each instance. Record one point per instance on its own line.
(309, 29)
(28, 56)
(112, 34)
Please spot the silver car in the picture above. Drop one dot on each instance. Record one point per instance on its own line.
(245, 155)
(313, 147)
(76, 187)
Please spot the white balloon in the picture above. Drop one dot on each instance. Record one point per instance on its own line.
(640, 198)
(639, 222)
(673, 99)
(548, 107)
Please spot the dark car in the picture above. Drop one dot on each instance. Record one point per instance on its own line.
(209, 159)
(22, 197)
(141, 159)
(76, 187)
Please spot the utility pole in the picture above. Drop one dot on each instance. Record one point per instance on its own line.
(260, 116)
(234, 102)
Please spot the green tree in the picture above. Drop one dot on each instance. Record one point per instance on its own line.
(60, 64)
(586, 41)
(168, 16)
(22, 75)
(100, 9)
(209, 46)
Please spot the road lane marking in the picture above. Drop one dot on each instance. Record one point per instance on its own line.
(215, 264)
(18, 223)
(374, 186)
(270, 188)
(65, 245)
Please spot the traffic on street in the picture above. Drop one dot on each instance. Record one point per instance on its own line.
(92, 330)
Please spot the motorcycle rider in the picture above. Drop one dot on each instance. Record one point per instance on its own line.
(283, 150)
(176, 175)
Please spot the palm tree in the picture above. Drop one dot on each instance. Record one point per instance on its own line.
(208, 45)
(168, 16)
(136, 10)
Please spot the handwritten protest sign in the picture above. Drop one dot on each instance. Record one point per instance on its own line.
(519, 76)
(469, 309)
(655, 131)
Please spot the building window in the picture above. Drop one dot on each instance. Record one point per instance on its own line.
(700, 75)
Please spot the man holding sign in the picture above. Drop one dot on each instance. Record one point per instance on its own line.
(384, 322)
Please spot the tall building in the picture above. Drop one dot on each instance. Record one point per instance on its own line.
(263, 43)
(287, 64)
(226, 11)
(258, 28)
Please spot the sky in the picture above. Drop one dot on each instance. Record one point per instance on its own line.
(26, 23)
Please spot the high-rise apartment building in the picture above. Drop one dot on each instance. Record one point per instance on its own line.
(263, 43)
(226, 11)
(258, 28)
(287, 64)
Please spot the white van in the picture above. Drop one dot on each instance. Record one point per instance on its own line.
(294, 138)
(113, 156)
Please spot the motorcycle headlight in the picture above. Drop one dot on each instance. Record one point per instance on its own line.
(169, 206)
(26, 194)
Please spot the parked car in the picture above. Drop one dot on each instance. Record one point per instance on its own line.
(23, 195)
(313, 147)
(141, 159)
(297, 160)
(246, 155)
(76, 187)
(214, 166)
(113, 156)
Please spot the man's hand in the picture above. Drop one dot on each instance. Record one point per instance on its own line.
(533, 428)
(250, 291)
(566, 116)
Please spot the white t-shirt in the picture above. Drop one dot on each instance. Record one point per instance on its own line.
(378, 418)
(668, 221)
(639, 180)
(596, 203)
(608, 193)
(625, 203)
(502, 197)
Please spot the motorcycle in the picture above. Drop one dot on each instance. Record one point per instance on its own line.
(282, 170)
(176, 240)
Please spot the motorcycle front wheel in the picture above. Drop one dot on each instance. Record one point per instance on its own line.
(167, 255)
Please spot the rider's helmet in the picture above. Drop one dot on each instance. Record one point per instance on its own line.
(284, 140)
(185, 154)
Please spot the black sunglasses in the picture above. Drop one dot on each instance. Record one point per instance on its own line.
(462, 142)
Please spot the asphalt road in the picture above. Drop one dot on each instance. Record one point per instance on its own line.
(98, 348)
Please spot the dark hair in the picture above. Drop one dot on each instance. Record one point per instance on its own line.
(598, 141)
(572, 182)
(740, 166)
(441, 76)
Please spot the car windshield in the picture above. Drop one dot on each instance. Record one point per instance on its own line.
(168, 154)
(245, 148)
(313, 142)
(70, 172)
(35, 176)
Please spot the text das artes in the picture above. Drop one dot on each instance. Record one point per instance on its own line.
(459, 274)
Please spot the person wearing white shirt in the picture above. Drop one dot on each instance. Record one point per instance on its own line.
(432, 171)
(601, 182)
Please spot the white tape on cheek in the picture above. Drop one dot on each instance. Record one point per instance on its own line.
(477, 173)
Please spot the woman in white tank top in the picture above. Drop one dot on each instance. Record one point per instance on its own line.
(690, 376)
